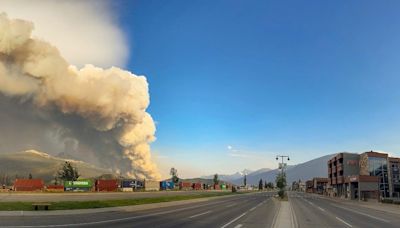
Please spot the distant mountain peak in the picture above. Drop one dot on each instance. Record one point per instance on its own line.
(314, 168)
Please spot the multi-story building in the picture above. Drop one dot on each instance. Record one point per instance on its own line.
(362, 176)
(340, 166)
(394, 174)
(375, 164)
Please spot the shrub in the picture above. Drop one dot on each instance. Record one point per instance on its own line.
(281, 193)
(387, 201)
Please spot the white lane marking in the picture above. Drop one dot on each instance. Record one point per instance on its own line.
(126, 218)
(253, 208)
(234, 220)
(238, 226)
(194, 216)
(309, 203)
(343, 221)
(320, 208)
(361, 213)
(230, 205)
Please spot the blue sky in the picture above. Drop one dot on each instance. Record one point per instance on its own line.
(303, 78)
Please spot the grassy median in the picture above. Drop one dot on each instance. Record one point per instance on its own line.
(70, 205)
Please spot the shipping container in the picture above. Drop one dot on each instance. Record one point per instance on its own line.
(163, 185)
(167, 185)
(196, 186)
(133, 184)
(217, 187)
(223, 186)
(55, 188)
(106, 185)
(185, 185)
(83, 185)
(151, 185)
(28, 185)
(206, 186)
(170, 185)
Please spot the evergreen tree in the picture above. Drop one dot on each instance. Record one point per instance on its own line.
(68, 172)
(216, 180)
(174, 175)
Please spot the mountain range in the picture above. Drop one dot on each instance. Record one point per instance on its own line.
(231, 177)
(45, 166)
(304, 171)
(42, 165)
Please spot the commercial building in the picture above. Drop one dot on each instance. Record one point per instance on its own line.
(301, 185)
(364, 176)
(309, 186)
(320, 185)
(394, 174)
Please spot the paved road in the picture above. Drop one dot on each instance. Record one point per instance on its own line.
(316, 211)
(247, 210)
(81, 196)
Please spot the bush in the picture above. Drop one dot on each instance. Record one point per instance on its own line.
(387, 201)
(281, 193)
(396, 202)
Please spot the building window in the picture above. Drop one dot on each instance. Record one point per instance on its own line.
(378, 167)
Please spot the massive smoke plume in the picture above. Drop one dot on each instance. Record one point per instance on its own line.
(93, 114)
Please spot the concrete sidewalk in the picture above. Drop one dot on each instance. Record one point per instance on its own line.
(285, 217)
(392, 208)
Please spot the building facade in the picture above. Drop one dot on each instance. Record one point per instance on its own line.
(340, 166)
(370, 175)
(320, 185)
(394, 175)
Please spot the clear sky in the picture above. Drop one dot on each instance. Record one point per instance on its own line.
(233, 83)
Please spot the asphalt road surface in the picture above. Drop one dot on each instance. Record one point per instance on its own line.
(315, 211)
(244, 210)
(239, 211)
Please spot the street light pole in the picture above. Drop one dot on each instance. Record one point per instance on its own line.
(282, 157)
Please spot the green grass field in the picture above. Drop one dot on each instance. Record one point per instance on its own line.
(69, 205)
